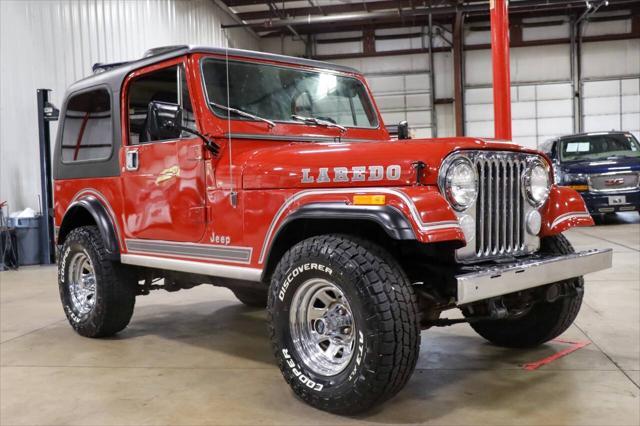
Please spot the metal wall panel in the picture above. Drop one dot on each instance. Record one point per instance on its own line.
(50, 44)
(539, 112)
(612, 104)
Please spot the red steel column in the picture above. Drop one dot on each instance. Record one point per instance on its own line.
(501, 72)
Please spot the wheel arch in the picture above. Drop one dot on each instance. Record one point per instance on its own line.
(90, 211)
(380, 224)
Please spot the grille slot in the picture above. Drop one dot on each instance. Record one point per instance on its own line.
(500, 206)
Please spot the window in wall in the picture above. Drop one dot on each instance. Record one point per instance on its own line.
(166, 85)
(88, 132)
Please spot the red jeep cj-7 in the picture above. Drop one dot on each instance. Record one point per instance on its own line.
(275, 177)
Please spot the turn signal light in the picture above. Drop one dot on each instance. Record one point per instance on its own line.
(371, 200)
(579, 187)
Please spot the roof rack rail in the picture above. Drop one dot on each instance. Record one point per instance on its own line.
(100, 67)
(163, 49)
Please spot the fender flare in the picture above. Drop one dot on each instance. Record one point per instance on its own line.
(102, 219)
(391, 220)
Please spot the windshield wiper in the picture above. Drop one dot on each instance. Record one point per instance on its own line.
(244, 114)
(318, 122)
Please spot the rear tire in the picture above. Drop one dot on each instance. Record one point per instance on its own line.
(251, 297)
(545, 320)
(97, 295)
(344, 323)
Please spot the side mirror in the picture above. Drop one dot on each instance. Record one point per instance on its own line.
(403, 130)
(164, 120)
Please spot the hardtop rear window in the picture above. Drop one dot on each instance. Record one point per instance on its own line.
(87, 133)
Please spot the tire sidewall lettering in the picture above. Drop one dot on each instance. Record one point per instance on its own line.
(297, 270)
(290, 362)
(69, 248)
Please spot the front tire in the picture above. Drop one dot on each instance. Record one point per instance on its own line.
(344, 323)
(97, 295)
(545, 320)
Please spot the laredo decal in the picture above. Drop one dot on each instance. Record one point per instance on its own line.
(353, 174)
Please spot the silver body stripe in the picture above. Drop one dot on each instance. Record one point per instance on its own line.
(201, 268)
(567, 216)
(201, 251)
(424, 227)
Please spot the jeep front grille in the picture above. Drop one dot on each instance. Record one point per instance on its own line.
(501, 208)
(499, 218)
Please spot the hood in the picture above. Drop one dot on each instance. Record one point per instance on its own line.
(384, 163)
(614, 164)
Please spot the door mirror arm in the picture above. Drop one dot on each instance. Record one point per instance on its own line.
(163, 121)
(211, 146)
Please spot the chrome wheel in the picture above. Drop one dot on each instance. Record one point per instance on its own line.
(322, 327)
(82, 283)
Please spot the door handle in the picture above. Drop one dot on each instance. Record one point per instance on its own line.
(132, 162)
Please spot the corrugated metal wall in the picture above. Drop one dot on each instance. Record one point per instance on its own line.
(50, 44)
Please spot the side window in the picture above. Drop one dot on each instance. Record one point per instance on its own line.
(167, 85)
(88, 131)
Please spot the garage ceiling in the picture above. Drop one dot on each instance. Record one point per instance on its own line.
(295, 17)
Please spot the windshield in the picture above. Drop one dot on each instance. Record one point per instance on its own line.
(279, 93)
(598, 147)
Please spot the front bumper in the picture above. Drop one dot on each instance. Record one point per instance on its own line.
(499, 280)
(598, 202)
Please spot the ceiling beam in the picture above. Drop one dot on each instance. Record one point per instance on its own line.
(338, 8)
(405, 11)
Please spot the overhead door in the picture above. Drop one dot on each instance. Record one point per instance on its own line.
(404, 96)
(612, 105)
(539, 112)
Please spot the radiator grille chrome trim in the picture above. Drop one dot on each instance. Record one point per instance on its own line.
(501, 207)
(614, 182)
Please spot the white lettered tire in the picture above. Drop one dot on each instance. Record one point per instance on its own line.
(97, 295)
(343, 322)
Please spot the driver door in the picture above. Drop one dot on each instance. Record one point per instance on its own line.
(164, 180)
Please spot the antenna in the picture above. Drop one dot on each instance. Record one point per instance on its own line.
(233, 195)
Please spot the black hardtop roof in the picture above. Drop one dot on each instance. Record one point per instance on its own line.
(114, 76)
(604, 132)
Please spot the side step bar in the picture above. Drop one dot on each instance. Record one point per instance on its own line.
(509, 278)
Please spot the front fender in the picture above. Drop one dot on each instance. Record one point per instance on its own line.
(565, 209)
(423, 208)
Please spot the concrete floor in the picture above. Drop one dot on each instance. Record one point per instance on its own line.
(200, 357)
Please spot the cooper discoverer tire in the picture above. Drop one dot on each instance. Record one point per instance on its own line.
(97, 295)
(545, 320)
(252, 298)
(344, 323)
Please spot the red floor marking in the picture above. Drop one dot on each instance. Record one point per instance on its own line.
(544, 361)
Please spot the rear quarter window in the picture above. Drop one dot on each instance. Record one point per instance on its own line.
(87, 134)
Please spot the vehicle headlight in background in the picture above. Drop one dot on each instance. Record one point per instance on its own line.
(536, 183)
(577, 181)
(461, 184)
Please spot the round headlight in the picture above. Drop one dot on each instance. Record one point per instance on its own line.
(461, 184)
(536, 183)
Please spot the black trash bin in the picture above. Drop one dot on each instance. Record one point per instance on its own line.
(28, 236)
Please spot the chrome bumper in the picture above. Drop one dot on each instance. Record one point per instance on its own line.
(509, 278)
